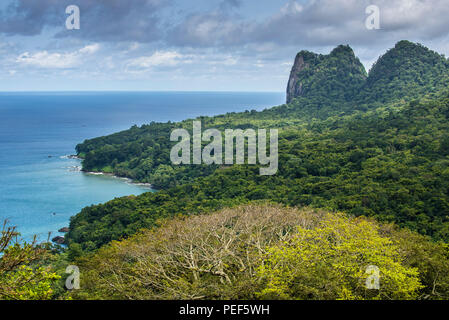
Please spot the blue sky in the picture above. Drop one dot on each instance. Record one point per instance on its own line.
(201, 45)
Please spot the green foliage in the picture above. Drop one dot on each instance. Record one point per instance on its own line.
(330, 261)
(22, 277)
(201, 257)
(142, 154)
(429, 257)
(265, 251)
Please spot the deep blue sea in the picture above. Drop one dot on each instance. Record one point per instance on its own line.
(40, 188)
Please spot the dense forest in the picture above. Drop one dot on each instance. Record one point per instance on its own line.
(388, 162)
(363, 160)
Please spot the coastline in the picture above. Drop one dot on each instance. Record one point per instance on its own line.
(42, 187)
(59, 236)
(125, 179)
(100, 173)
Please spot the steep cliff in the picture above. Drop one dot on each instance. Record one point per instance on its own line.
(294, 87)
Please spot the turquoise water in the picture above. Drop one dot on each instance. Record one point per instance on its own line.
(40, 188)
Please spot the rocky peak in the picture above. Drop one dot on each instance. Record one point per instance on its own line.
(336, 75)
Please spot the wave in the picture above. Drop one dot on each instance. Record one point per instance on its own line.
(70, 156)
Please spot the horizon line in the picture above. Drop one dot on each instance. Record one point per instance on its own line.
(139, 91)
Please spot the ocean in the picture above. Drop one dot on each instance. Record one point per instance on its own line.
(41, 188)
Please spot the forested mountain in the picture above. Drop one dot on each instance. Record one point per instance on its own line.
(324, 86)
(331, 86)
(337, 76)
(375, 146)
(408, 70)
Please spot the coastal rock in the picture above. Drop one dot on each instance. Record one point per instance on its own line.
(65, 229)
(58, 240)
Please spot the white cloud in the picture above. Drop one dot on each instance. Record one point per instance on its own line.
(317, 23)
(90, 49)
(56, 60)
(157, 59)
(291, 8)
(213, 42)
(219, 60)
(44, 59)
(134, 46)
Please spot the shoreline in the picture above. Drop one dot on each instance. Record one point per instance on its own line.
(71, 157)
(100, 173)
(126, 179)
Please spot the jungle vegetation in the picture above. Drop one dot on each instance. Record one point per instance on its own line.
(363, 180)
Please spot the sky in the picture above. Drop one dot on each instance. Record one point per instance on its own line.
(196, 45)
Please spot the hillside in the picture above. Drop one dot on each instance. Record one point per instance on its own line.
(320, 87)
(387, 160)
(390, 165)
